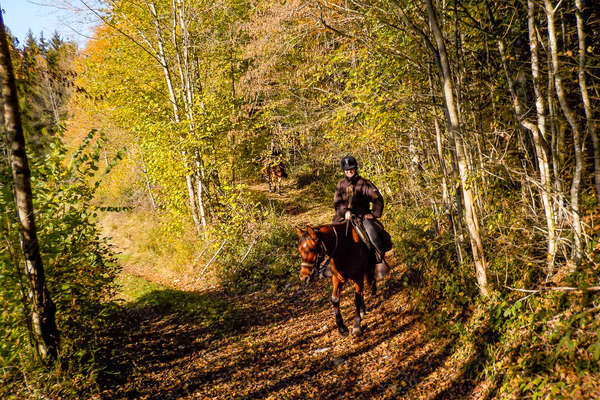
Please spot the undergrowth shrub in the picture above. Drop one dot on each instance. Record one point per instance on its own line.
(319, 186)
(540, 343)
(270, 262)
(80, 272)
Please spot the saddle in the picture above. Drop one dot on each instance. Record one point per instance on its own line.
(373, 235)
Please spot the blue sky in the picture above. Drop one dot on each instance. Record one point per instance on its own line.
(68, 17)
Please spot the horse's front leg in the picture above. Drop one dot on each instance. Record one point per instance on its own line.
(361, 310)
(335, 301)
(370, 275)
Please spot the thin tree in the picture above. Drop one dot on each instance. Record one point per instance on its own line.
(576, 131)
(587, 106)
(448, 90)
(42, 310)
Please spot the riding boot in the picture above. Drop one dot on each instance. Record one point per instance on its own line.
(381, 267)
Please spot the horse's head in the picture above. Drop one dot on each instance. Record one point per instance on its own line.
(312, 252)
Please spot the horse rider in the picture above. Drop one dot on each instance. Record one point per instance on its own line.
(358, 199)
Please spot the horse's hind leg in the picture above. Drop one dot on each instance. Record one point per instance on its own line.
(335, 301)
(361, 310)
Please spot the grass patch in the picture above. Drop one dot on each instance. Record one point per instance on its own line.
(133, 287)
(208, 309)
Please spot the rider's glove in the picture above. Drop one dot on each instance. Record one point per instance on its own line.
(348, 215)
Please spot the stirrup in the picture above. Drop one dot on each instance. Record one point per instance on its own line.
(381, 270)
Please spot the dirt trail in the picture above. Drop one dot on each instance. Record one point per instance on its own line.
(281, 344)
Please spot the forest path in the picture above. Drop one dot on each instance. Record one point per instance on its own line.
(279, 343)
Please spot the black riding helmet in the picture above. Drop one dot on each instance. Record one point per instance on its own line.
(348, 162)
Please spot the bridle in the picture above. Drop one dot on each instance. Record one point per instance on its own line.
(318, 265)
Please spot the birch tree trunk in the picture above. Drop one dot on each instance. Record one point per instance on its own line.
(443, 171)
(163, 61)
(185, 67)
(43, 311)
(589, 115)
(147, 180)
(577, 142)
(539, 136)
(199, 186)
(173, 98)
(453, 124)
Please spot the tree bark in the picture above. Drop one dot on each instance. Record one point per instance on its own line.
(539, 137)
(453, 124)
(194, 200)
(43, 311)
(147, 180)
(163, 61)
(444, 174)
(577, 142)
(589, 114)
(199, 186)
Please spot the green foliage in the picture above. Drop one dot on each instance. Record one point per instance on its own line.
(266, 77)
(132, 288)
(44, 72)
(80, 272)
(271, 262)
(542, 344)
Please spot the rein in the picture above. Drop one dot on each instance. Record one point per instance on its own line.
(336, 242)
(321, 256)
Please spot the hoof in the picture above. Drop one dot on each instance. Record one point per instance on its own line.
(363, 313)
(356, 331)
(343, 330)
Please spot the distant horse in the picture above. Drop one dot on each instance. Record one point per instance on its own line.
(273, 174)
(350, 260)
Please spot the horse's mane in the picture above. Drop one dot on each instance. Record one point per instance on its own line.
(335, 224)
(318, 228)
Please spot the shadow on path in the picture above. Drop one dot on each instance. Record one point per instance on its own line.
(273, 345)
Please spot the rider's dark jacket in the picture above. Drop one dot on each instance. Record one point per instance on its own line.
(363, 192)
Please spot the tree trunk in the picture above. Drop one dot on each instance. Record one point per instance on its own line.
(453, 124)
(163, 61)
(589, 115)
(195, 206)
(199, 186)
(43, 310)
(444, 174)
(147, 180)
(577, 142)
(539, 136)
(192, 199)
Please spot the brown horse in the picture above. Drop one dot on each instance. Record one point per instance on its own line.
(350, 260)
(273, 175)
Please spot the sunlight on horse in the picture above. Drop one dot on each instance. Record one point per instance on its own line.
(350, 260)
